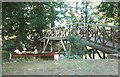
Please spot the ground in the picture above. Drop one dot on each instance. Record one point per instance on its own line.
(62, 67)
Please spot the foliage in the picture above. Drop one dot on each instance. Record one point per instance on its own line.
(74, 57)
(23, 22)
(77, 45)
(11, 45)
(110, 12)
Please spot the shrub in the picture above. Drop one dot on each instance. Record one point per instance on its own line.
(77, 45)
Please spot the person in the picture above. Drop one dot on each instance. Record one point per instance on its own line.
(56, 56)
(17, 51)
(24, 50)
(35, 50)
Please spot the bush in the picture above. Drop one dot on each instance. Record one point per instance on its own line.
(74, 57)
(77, 45)
(10, 45)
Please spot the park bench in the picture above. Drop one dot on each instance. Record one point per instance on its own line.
(49, 55)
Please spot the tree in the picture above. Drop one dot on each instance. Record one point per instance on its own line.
(110, 12)
(23, 22)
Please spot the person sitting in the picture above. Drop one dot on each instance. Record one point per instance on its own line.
(17, 51)
(35, 50)
(24, 50)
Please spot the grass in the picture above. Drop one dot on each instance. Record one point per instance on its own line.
(5, 56)
(62, 67)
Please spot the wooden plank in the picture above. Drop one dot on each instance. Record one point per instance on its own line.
(86, 56)
(100, 47)
(87, 33)
(104, 57)
(51, 46)
(113, 56)
(103, 25)
(14, 55)
(45, 46)
(55, 38)
(99, 54)
(63, 46)
(93, 54)
(90, 56)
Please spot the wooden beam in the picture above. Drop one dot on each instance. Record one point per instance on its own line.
(63, 45)
(44, 43)
(100, 47)
(104, 57)
(55, 38)
(99, 54)
(93, 54)
(85, 56)
(90, 56)
(45, 46)
(51, 46)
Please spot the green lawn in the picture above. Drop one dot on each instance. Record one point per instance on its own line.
(5, 56)
(62, 67)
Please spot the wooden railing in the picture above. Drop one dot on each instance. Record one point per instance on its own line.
(104, 35)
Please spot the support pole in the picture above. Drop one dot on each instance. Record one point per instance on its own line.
(93, 52)
(44, 43)
(63, 45)
(99, 54)
(104, 56)
(45, 46)
(51, 46)
(85, 56)
(90, 56)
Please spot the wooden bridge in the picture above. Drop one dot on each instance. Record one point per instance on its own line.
(97, 37)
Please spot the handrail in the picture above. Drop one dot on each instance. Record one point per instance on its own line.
(103, 25)
(90, 24)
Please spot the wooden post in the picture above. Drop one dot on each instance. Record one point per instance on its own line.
(10, 56)
(51, 46)
(77, 29)
(118, 39)
(45, 46)
(93, 54)
(99, 54)
(87, 33)
(85, 56)
(81, 56)
(95, 37)
(69, 30)
(44, 43)
(104, 56)
(112, 37)
(103, 34)
(90, 56)
(63, 45)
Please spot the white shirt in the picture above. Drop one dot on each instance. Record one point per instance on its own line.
(17, 51)
(35, 51)
(56, 57)
(24, 50)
